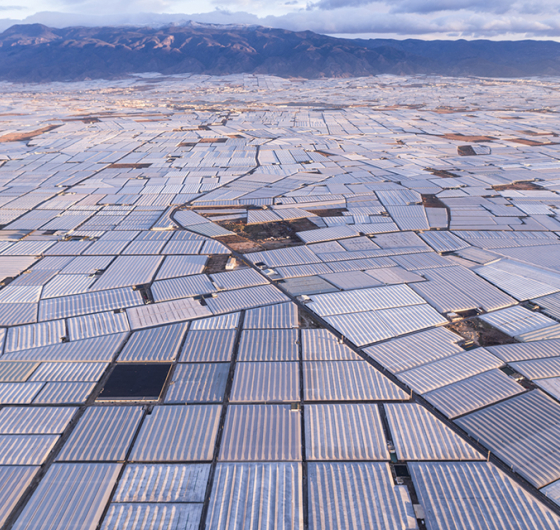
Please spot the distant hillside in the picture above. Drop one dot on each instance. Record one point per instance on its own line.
(481, 57)
(37, 53)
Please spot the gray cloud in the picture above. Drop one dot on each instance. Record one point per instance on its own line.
(472, 20)
(433, 6)
(336, 4)
(364, 20)
(544, 7)
(122, 6)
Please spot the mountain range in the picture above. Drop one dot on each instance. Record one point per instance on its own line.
(37, 53)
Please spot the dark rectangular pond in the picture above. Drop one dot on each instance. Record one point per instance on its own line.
(135, 382)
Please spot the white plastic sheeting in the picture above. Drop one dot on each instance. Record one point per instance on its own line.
(88, 326)
(177, 433)
(261, 433)
(267, 382)
(517, 320)
(415, 350)
(442, 241)
(344, 431)
(163, 483)
(208, 346)
(159, 344)
(277, 316)
(527, 436)
(67, 284)
(373, 326)
(347, 381)
(526, 351)
(182, 287)
(248, 495)
(221, 322)
(70, 496)
(26, 450)
(14, 480)
(35, 420)
(268, 345)
(35, 335)
(284, 257)
(473, 393)
(328, 234)
(473, 290)
(229, 301)
(238, 279)
(166, 312)
(69, 372)
(468, 495)
(81, 304)
(97, 349)
(521, 284)
(18, 393)
(102, 434)
(64, 393)
(175, 266)
(322, 345)
(198, 383)
(419, 435)
(364, 300)
(128, 270)
(357, 495)
(140, 516)
(449, 370)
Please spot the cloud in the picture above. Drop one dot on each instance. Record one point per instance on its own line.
(336, 4)
(433, 6)
(134, 18)
(94, 7)
(544, 7)
(402, 18)
(368, 20)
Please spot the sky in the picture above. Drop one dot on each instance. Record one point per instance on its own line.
(424, 19)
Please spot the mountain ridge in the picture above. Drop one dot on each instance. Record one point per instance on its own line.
(38, 53)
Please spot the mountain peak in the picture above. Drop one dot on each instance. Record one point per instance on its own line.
(35, 52)
(27, 35)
